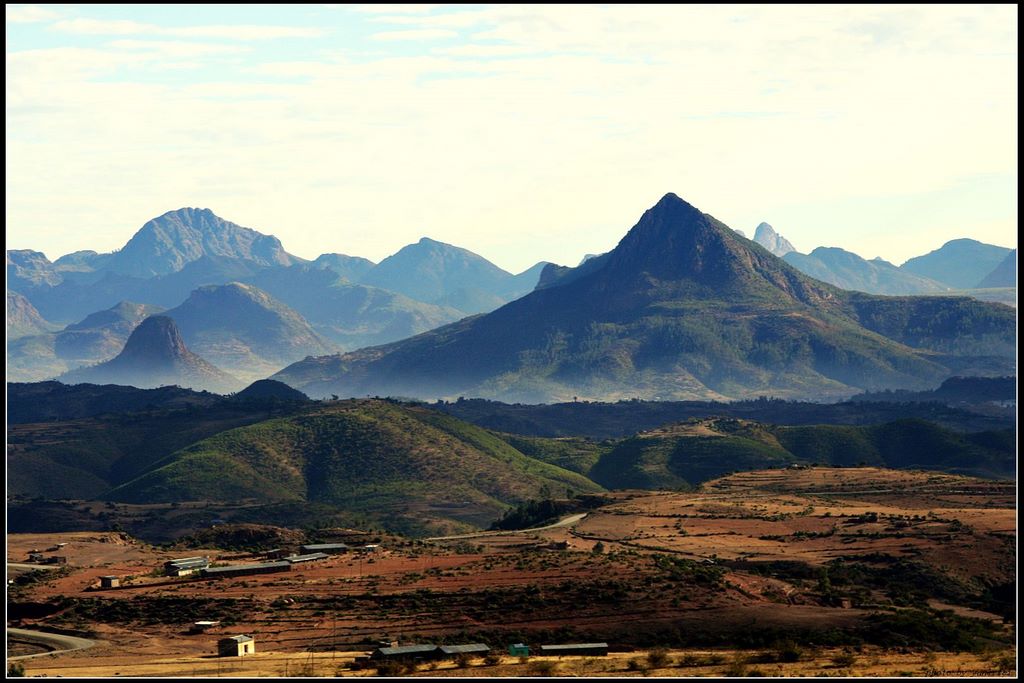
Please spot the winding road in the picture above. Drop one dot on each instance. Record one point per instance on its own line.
(59, 641)
(567, 521)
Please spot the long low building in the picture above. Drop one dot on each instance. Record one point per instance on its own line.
(422, 651)
(590, 649)
(331, 548)
(312, 557)
(186, 565)
(245, 569)
(467, 649)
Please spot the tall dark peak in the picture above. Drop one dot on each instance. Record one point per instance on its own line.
(683, 307)
(156, 340)
(155, 355)
(672, 240)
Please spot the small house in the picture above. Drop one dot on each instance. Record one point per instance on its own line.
(110, 582)
(370, 548)
(519, 650)
(236, 646)
(35, 556)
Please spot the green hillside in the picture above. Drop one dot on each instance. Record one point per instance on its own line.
(408, 467)
(85, 457)
(695, 451)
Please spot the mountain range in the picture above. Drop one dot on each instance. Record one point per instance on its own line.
(683, 307)
(937, 272)
(247, 306)
(960, 263)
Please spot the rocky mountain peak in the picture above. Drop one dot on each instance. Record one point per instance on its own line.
(766, 236)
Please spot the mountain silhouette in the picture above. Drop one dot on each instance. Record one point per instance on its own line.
(683, 307)
(155, 355)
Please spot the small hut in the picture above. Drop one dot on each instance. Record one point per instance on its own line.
(236, 646)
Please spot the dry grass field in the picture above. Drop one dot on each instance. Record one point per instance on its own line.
(750, 556)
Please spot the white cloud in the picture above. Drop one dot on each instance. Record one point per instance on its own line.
(549, 153)
(29, 14)
(104, 27)
(229, 32)
(169, 48)
(243, 32)
(415, 34)
(386, 8)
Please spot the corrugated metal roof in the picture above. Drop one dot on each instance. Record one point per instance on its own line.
(574, 646)
(470, 647)
(325, 546)
(407, 649)
(307, 558)
(240, 567)
(185, 564)
(187, 559)
(239, 639)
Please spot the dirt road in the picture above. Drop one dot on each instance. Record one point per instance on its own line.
(58, 641)
(567, 521)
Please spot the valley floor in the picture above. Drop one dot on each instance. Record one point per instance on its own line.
(862, 570)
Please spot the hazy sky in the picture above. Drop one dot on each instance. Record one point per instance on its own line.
(522, 133)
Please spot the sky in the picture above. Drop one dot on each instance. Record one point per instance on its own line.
(523, 133)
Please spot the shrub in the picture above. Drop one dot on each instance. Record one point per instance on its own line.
(657, 659)
(542, 667)
(391, 669)
(844, 659)
(492, 658)
(15, 670)
(788, 651)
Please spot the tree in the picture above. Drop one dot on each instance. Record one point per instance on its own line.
(598, 548)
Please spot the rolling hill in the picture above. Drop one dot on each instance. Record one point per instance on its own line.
(687, 454)
(682, 308)
(407, 465)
